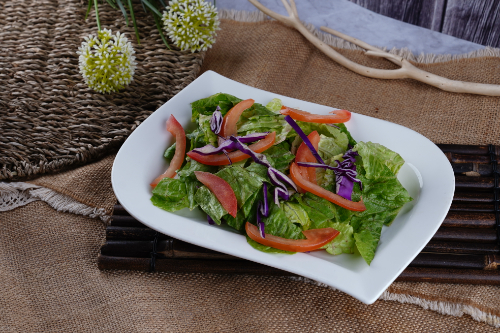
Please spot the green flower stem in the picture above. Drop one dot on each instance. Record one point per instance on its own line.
(97, 16)
(131, 8)
(88, 9)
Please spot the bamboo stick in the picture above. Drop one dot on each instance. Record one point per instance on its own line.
(437, 275)
(460, 219)
(461, 248)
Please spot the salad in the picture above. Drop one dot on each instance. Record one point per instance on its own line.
(290, 180)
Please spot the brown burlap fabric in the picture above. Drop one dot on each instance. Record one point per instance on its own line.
(50, 280)
(49, 118)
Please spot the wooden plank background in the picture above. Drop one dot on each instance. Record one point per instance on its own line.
(477, 21)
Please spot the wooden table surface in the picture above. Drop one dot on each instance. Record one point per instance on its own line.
(477, 21)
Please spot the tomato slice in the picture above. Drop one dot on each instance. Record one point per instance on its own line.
(304, 154)
(235, 156)
(338, 116)
(232, 116)
(176, 129)
(321, 192)
(221, 189)
(316, 238)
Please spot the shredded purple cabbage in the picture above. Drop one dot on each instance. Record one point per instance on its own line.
(228, 144)
(276, 177)
(345, 173)
(216, 121)
(210, 221)
(304, 137)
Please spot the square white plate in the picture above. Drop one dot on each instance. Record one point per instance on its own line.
(427, 175)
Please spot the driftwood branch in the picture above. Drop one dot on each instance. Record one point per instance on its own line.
(406, 71)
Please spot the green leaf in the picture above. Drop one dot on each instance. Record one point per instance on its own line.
(332, 145)
(373, 154)
(170, 194)
(344, 242)
(131, 9)
(169, 152)
(296, 214)
(247, 213)
(265, 248)
(207, 106)
(160, 31)
(97, 16)
(274, 105)
(280, 156)
(204, 124)
(210, 204)
(320, 211)
(243, 182)
(110, 2)
(89, 6)
(124, 12)
(278, 224)
(344, 129)
(151, 7)
(186, 174)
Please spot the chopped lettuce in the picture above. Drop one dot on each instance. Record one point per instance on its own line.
(296, 214)
(243, 182)
(376, 152)
(169, 152)
(209, 203)
(170, 195)
(344, 242)
(265, 248)
(278, 224)
(207, 106)
(274, 105)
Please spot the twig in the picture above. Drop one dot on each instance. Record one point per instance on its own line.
(407, 70)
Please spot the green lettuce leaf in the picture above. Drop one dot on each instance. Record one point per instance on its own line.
(344, 242)
(243, 182)
(344, 130)
(383, 196)
(265, 123)
(170, 194)
(274, 105)
(207, 106)
(280, 156)
(296, 214)
(169, 152)
(204, 124)
(330, 146)
(186, 174)
(265, 248)
(278, 224)
(210, 204)
(247, 213)
(373, 153)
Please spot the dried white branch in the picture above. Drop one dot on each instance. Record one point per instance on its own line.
(406, 71)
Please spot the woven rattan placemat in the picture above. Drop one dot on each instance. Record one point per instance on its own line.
(49, 118)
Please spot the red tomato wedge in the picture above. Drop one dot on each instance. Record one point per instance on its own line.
(221, 189)
(338, 116)
(321, 192)
(235, 156)
(304, 155)
(316, 238)
(176, 129)
(232, 116)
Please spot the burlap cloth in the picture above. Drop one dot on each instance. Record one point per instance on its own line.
(50, 281)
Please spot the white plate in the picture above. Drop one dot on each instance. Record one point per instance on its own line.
(427, 175)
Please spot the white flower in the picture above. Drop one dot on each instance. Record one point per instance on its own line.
(106, 62)
(191, 24)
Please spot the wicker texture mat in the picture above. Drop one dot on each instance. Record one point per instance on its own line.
(49, 118)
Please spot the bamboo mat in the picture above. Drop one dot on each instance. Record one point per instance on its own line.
(464, 250)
